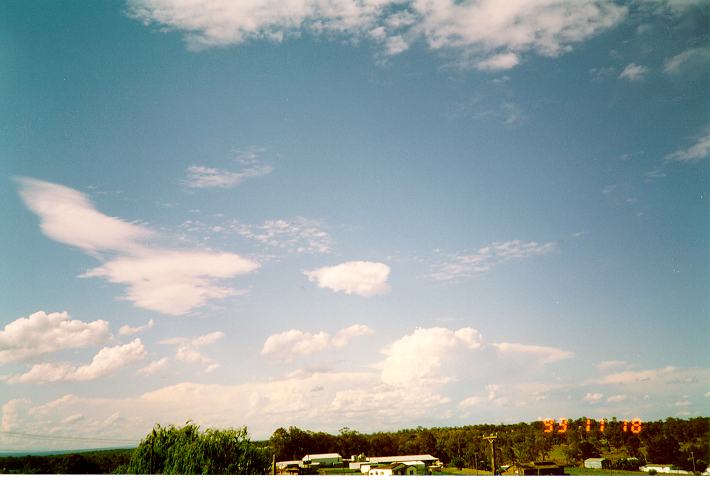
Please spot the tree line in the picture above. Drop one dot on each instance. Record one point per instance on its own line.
(189, 450)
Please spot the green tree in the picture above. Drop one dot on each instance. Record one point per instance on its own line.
(187, 451)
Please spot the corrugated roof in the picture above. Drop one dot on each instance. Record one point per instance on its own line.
(322, 455)
(403, 458)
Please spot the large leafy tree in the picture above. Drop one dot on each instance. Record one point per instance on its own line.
(188, 451)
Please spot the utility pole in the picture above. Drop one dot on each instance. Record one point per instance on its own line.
(492, 440)
(692, 454)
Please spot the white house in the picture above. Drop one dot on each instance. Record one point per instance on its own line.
(663, 469)
(596, 463)
(393, 469)
(322, 459)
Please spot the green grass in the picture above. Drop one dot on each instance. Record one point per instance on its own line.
(463, 471)
(338, 471)
(600, 471)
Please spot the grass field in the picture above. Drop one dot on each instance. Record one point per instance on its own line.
(463, 471)
(600, 472)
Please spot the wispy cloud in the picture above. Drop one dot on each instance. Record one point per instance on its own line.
(633, 72)
(168, 281)
(365, 279)
(465, 264)
(41, 333)
(538, 353)
(67, 216)
(126, 330)
(251, 166)
(298, 235)
(696, 152)
(501, 61)
(154, 367)
(687, 59)
(285, 346)
(188, 349)
(107, 361)
(492, 33)
(593, 398)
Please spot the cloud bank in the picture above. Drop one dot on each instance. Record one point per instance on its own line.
(487, 34)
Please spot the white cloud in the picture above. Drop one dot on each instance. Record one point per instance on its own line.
(126, 330)
(67, 216)
(167, 281)
(696, 152)
(617, 398)
(199, 176)
(299, 235)
(425, 354)
(466, 264)
(174, 282)
(635, 376)
(287, 345)
(476, 400)
(107, 361)
(501, 61)
(187, 349)
(633, 72)
(40, 333)
(360, 278)
(593, 398)
(612, 364)
(540, 353)
(344, 336)
(683, 402)
(154, 367)
(321, 401)
(688, 58)
(483, 29)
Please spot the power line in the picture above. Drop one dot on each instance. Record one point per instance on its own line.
(62, 437)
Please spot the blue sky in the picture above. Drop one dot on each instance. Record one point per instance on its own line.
(373, 214)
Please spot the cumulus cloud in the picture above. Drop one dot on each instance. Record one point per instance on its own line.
(287, 345)
(465, 264)
(617, 398)
(425, 354)
(126, 330)
(107, 361)
(168, 281)
(593, 398)
(41, 333)
(486, 29)
(633, 72)
(188, 349)
(360, 278)
(696, 152)
(538, 353)
(323, 400)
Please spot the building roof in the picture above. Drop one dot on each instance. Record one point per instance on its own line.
(315, 456)
(595, 459)
(403, 458)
